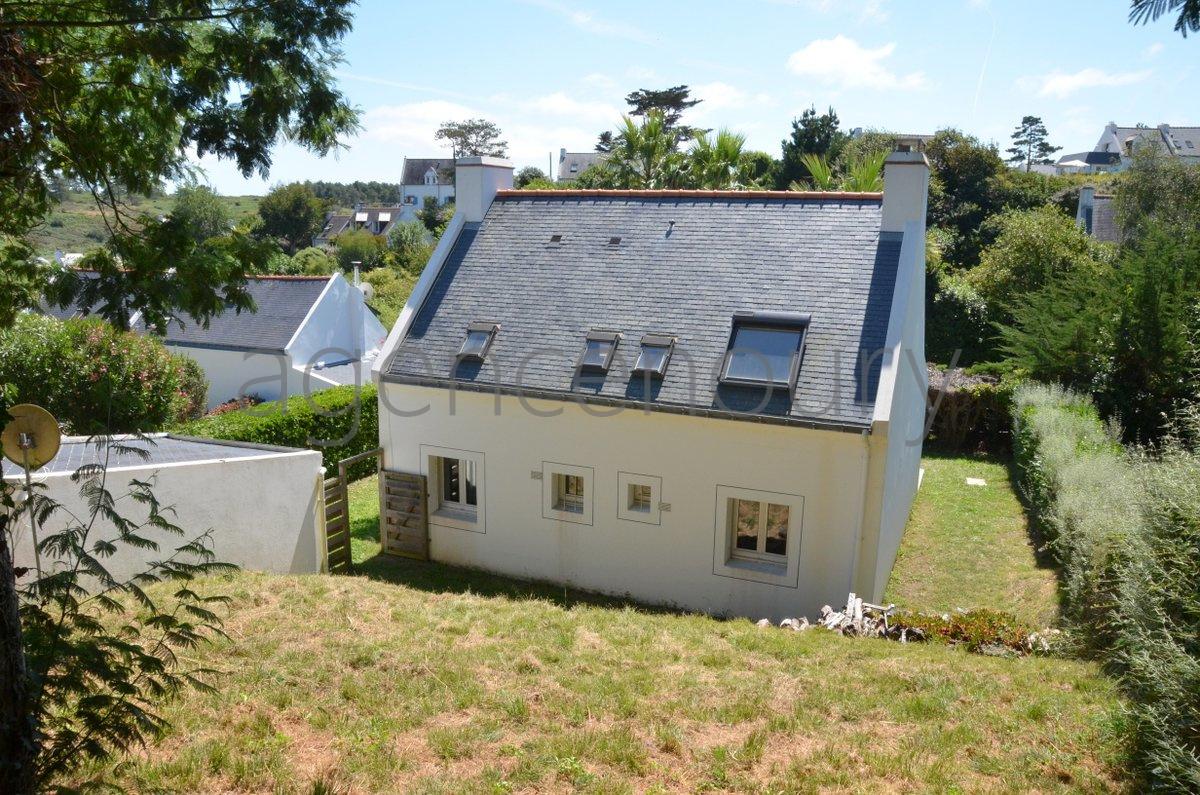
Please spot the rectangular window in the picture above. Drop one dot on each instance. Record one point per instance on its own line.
(764, 349)
(639, 498)
(654, 355)
(758, 536)
(598, 351)
(455, 487)
(478, 341)
(567, 492)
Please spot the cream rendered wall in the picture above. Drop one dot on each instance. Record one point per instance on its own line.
(263, 511)
(338, 327)
(235, 373)
(671, 563)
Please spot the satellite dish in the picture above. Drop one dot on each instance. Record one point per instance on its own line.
(31, 438)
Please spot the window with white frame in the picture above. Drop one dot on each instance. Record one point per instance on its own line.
(455, 487)
(567, 492)
(639, 497)
(758, 535)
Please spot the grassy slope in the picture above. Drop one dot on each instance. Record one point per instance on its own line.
(426, 678)
(969, 546)
(76, 225)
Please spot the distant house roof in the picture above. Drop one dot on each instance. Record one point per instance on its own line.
(376, 220)
(572, 164)
(335, 224)
(1169, 139)
(1092, 158)
(281, 305)
(548, 267)
(415, 169)
(76, 309)
(1099, 219)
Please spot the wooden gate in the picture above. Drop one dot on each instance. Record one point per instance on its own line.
(403, 523)
(337, 526)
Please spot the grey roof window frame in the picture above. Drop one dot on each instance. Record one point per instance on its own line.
(600, 337)
(470, 350)
(664, 341)
(795, 322)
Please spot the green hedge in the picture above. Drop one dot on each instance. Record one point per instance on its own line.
(973, 412)
(96, 379)
(1125, 528)
(339, 422)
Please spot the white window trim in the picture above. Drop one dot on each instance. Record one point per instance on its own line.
(627, 479)
(784, 572)
(552, 468)
(445, 518)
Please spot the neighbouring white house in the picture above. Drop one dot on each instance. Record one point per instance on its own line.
(572, 164)
(707, 399)
(306, 333)
(425, 176)
(1114, 150)
(211, 486)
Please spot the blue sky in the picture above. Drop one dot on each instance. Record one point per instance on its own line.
(553, 73)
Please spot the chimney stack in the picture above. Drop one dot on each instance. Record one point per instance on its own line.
(476, 180)
(905, 190)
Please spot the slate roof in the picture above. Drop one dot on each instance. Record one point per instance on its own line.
(683, 266)
(73, 310)
(1103, 222)
(282, 303)
(572, 164)
(335, 224)
(158, 449)
(416, 167)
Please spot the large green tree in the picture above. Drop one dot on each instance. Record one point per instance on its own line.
(1143, 11)
(1031, 143)
(291, 214)
(670, 102)
(645, 156)
(473, 137)
(200, 207)
(812, 134)
(115, 96)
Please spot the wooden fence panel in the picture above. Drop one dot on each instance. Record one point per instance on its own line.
(337, 526)
(403, 523)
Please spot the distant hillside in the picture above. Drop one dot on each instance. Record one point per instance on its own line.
(76, 225)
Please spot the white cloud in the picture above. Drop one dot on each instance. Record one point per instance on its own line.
(719, 96)
(592, 23)
(844, 63)
(410, 128)
(561, 104)
(1060, 85)
(1154, 49)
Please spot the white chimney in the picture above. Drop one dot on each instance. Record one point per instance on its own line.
(1087, 203)
(476, 180)
(905, 190)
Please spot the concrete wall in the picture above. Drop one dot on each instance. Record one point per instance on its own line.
(235, 373)
(263, 512)
(673, 562)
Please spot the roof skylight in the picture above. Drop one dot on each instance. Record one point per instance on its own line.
(764, 349)
(655, 355)
(598, 351)
(478, 341)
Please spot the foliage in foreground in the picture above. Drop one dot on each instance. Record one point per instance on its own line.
(340, 422)
(1126, 530)
(101, 651)
(88, 375)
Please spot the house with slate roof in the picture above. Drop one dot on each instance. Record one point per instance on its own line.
(305, 334)
(707, 399)
(572, 164)
(1114, 151)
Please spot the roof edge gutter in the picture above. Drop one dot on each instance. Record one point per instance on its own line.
(603, 400)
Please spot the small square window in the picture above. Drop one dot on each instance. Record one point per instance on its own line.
(478, 341)
(555, 238)
(654, 355)
(567, 493)
(638, 497)
(764, 349)
(598, 351)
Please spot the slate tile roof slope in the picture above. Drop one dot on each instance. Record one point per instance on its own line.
(1104, 220)
(75, 309)
(415, 169)
(282, 303)
(75, 452)
(824, 256)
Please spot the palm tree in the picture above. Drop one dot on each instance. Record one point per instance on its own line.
(1143, 11)
(645, 156)
(716, 159)
(820, 173)
(865, 174)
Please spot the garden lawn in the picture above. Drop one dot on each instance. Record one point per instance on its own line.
(970, 546)
(416, 677)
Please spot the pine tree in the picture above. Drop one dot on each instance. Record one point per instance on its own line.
(1031, 143)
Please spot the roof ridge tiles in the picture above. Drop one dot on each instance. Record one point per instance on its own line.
(689, 194)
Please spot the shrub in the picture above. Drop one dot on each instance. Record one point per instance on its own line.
(1126, 531)
(339, 422)
(977, 630)
(973, 412)
(94, 378)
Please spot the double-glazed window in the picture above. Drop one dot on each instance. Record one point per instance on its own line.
(654, 355)
(764, 349)
(758, 529)
(459, 485)
(758, 535)
(567, 492)
(598, 351)
(638, 497)
(455, 487)
(477, 342)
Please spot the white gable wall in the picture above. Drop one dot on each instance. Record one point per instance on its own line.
(233, 373)
(670, 563)
(339, 327)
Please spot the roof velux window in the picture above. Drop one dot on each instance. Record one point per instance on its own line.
(764, 349)
(614, 241)
(599, 350)
(654, 355)
(479, 339)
